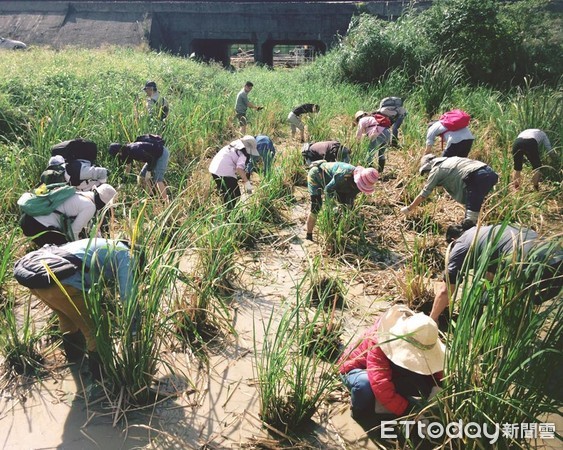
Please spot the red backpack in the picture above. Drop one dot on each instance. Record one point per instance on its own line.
(454, 120)
(382, 120)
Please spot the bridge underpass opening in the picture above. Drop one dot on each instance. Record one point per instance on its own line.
(290, 53)
(212, 50)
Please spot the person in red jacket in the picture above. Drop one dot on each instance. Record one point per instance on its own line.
(398, 359)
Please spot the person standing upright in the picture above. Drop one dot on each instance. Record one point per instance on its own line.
(157, 105)
(242, 104)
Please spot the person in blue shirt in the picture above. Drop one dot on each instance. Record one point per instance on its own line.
(266, 150)
(104, 260)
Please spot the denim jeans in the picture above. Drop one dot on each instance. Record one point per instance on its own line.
(363, 400)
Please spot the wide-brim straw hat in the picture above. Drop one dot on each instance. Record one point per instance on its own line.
(411, 340)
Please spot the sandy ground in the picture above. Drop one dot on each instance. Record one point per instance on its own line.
(218, 407)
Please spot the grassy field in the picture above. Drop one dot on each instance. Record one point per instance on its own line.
(198, 260)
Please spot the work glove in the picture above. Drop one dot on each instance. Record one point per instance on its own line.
(248, 187)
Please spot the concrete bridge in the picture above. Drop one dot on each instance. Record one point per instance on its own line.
(206, 29)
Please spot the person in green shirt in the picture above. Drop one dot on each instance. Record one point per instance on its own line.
(336, 180)
(468, 182)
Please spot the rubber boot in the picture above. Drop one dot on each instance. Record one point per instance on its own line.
(95, 366)
(73, 345)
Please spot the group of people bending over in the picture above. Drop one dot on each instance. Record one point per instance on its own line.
(398, 360)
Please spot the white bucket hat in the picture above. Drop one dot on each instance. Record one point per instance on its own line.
(410, 340)
(106, 193)
(249, 143)
(426, 163)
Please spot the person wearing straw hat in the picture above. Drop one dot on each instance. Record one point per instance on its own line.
(379, 136)
(399, 359)
(69, 219)
(336, 180)
(504, 243)
(229, 162)
(467, 181)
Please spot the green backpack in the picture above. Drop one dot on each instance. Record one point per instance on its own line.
(45, 199)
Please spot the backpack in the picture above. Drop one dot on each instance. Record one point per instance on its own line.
(152, 138)
(54, 174)
(31, 269)
(76, 149)
(382, 120)
(455, 119)
(45, 199)
(391, 102)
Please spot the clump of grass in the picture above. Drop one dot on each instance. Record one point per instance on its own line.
(342, 229)
(20, 341)
(292, 378)
(502, 351)
(436, 83)
(326, 292)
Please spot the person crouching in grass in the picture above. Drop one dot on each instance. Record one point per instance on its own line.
(336, 180)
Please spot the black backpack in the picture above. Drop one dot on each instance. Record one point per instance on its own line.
(54, 174)
(31, 269)
(76, 149)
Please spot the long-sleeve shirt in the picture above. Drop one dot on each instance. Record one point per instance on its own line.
(104, 260)
(226, 161)
(538, 135)
(265, 144)
(80, 208)
(140, 151)
(450, 174)
(389, 382)
(157, 104)
(449, 137)
(369, 126)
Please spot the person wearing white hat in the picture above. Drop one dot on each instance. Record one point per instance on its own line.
(336, 179)
(401, 357)
(229, 162)
(69, 219)
(468, 182)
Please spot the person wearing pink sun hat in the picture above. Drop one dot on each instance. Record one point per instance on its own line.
(336, 180)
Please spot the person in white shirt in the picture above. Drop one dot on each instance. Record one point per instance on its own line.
(69, 219)
(458, 142)
(527, 144)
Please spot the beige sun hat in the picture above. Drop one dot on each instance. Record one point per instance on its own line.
(359, 115)
(410, 340)
(249, 143)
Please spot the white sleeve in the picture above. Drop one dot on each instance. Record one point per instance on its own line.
(80, 209)
(89, 172)
(433, 131)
